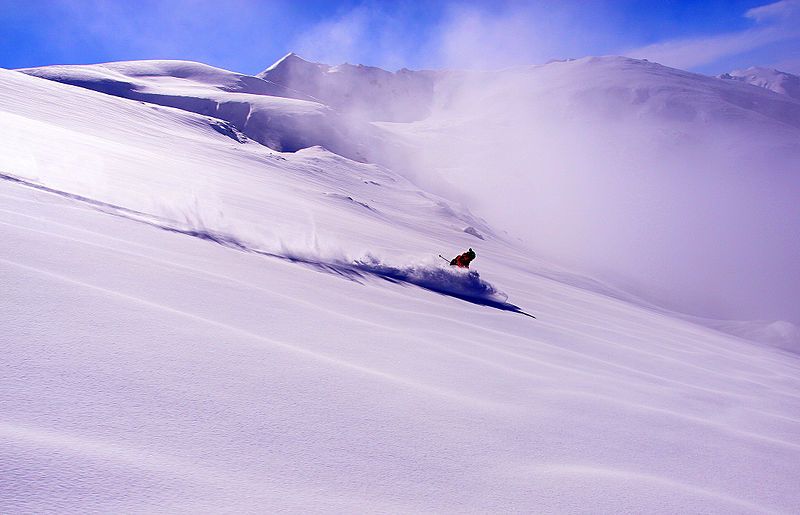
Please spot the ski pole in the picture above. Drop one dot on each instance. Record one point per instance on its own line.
(441, 256)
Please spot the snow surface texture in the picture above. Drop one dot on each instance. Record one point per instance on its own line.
(194, 322)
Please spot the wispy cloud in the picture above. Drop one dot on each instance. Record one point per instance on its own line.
(779, 21)
(467, 34)
(454, 34)
(247, 35)
(338, 39)
(787, 65)
(782, 10)
(369, 33)
(471, 38)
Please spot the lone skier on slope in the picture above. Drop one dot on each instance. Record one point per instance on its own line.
(464, 259)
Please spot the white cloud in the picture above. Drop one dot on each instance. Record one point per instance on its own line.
(338, 40)
(778, 10)
(370, 33)
(474, 39)
(506, 34)
(779, 21)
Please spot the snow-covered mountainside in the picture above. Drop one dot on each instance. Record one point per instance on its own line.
(195, 321)
(774, 80)
(364, 91)
(266, 112)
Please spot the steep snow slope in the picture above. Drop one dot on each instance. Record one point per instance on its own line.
(773, 80)
(147, 370)
(675, 186)
(191, 323)
(126, 153)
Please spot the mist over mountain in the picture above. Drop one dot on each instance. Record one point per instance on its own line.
(677, 185)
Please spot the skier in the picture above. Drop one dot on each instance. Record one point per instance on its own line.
(464, 259)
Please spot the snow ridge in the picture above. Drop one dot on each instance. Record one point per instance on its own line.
(362, 91)
(268, 113)
(774, 80)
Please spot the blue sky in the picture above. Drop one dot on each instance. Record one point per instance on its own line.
(247, 35)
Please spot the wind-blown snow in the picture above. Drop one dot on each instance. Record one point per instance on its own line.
(194, 322)
(678, 187)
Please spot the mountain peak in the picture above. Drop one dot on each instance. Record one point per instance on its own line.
(291, 61)
(768, 78)
(365, 91)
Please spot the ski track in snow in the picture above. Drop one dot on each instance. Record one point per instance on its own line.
(454, 283)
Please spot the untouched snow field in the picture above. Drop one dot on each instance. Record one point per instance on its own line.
(195, 322)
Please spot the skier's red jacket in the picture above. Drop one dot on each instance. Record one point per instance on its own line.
(464, 259)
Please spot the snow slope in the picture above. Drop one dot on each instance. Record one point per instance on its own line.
(628, 170)
(195, 322)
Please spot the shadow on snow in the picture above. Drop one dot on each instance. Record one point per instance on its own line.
(461, 284)
(465, 285)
